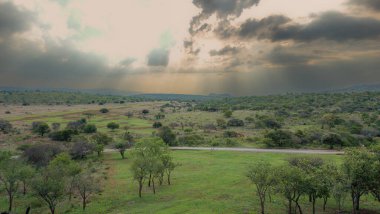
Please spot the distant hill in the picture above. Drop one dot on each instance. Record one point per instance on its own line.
(360, 88)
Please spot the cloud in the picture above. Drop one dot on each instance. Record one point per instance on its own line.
(228, 50)
(158, 57)
(222, 9)
(261, 28)
(13, 19)
(369, 4)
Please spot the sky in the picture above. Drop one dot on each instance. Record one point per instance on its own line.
(240, 47)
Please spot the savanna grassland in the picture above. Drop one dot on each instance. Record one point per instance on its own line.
(86, 137)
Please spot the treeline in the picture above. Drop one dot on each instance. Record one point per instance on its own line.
(342, 102)
(315, 179)
(60, 98)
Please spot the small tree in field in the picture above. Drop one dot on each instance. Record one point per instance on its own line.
(10, 178)
(261, 174)
(86, 185)
(121, 147)
(113, 126)
(49, 185)
(40, 128)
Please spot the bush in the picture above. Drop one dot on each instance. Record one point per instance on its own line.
(332, 140)
(145, 111)
(80, 150)
(113, 126)
(167, 136)
(104, 110)
(191, 140)
(235, 123)
(280, 138)
(77, 126)
(157, 125)
(41, 154)
(64, 135)
(5, 126)
(90, 128)
(231, 134)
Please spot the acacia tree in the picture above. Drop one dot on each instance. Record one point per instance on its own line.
(168, 165)
(121, 147)
(49, 185)
(86, 185)
(261, 174)
(10, 178)
(146, 161)
(26, 173)
(359, 167)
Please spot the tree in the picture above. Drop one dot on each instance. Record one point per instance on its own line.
(113, 126)
(167, 135)
(55, 126)
(5, 126)
(26, 173)
(100, 140)
(359, 165)
(86, 185)
(145, 111)
(40, 128)
(279, 138)
(10, 178)
(69, 168)
(261, 174)
(49, 185)
(168, 165)
(146, 161)
(291, 184)
(221, 123)
(121, 147)
(90, 128)
(332, 140)
(128, 137)
(64, 135)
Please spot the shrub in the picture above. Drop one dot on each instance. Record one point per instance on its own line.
(64, 135)
(5, 126)
(41, 154)
(235, 122)
(113, 126)
(80, 150)
(280, 138)
(145, 111)
(90, 128)
(191, 140)
(104, 110)
(167, 136)
(231, 134)
(157, 125)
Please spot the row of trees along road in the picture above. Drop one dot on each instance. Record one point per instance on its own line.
(313, 178)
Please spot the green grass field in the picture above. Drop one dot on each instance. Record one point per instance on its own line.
(206, 182)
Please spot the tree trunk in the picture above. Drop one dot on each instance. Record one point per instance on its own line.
(10, 202)
(297, 204)
(169, 178)
(324, 203)
(122, 155)
(27, 210)
(262, 203)
(313, 200)
(23, 188)
(52, 210)
(357, 207)
(289, 206)
(150, 178)
(353, 202)
(154, 188)
(140, 188)
(84, 204)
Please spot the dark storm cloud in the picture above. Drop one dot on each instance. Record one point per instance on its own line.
(158, 57)
(222, 9)
(334, 26)
(26, 63)
(261, 28)
(228, 50)
(13, 19)
(369, 4)
(284, 57)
